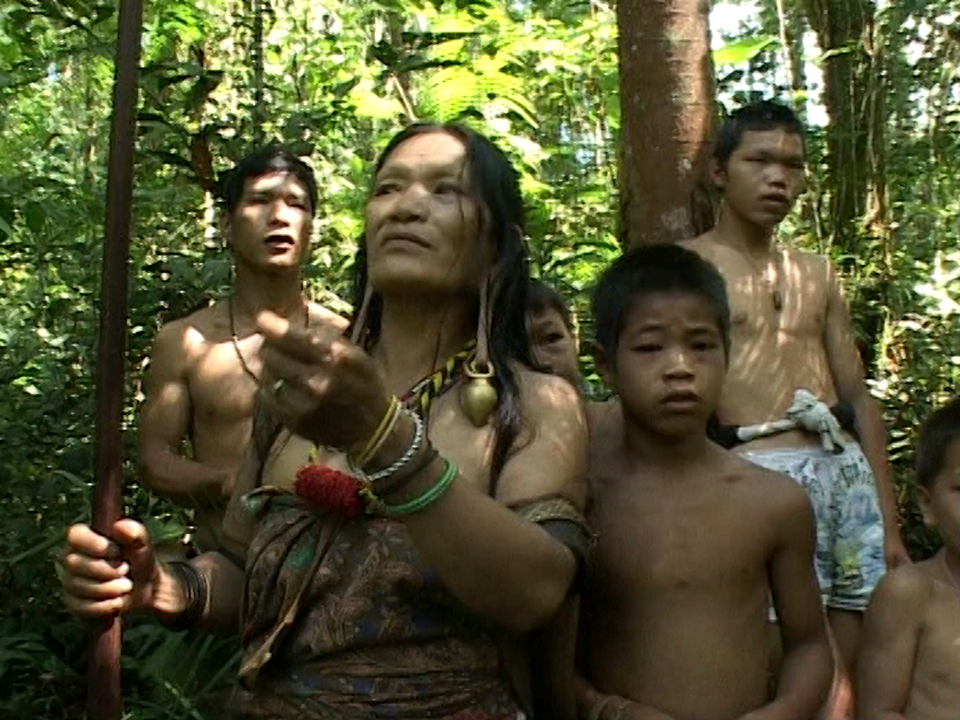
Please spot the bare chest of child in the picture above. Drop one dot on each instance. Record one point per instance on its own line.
(676, 610)
(935, 687)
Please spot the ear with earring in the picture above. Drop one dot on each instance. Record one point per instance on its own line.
(478, 396)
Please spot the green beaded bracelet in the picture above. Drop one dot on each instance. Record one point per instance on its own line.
(424, 500)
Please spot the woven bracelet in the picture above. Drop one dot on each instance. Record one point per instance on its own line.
(408, 455)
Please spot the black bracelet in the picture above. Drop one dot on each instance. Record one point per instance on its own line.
(194, 586)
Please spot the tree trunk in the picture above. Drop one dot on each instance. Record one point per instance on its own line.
(666, 90)
(844, 29)
(790, 28)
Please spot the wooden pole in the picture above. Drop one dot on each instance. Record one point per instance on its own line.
(104, 700)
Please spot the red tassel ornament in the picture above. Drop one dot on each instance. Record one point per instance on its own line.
(331, 489)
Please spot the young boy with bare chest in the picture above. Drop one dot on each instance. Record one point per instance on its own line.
(910, 663)
(693, 541)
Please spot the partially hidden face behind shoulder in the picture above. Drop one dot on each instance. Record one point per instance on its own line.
(554, 345)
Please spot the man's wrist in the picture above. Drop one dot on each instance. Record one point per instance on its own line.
(169, 598)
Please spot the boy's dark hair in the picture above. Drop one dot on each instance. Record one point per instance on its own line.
(654, 269)
(541, 296)
(262, 161)
(765, 115)
(936, 434)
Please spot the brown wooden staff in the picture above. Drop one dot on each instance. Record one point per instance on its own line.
(104, 701)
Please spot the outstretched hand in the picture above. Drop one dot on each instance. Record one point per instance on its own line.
(319, 384)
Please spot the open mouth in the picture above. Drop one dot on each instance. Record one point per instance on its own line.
(279, 240)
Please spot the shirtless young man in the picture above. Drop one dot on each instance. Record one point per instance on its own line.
(910, 661)
(791, 331)
(692, 539)
(204, 368)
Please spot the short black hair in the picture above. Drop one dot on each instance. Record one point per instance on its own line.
(541, 296)
(757, 117)
(936, 434)
(655, 269)
(262, 161)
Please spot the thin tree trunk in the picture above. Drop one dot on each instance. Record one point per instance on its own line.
(841, 26)
(790, 27)
(666, 83)
(259, 110)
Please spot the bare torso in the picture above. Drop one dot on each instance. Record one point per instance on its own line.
(222, 391)
(773, 352)
(221, 376)
(935, 687)
(675, 615)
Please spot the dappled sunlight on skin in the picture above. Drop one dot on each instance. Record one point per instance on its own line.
(773, 352)
(459, 440)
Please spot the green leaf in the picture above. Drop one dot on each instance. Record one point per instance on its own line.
(741, 51)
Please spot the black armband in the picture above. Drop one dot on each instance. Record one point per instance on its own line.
(564, 523)
(195, 591)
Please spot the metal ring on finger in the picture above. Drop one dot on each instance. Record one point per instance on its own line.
(278, 386)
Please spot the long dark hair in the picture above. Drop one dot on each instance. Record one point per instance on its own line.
(496, 187)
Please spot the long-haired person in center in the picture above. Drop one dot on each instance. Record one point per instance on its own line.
(412, 502)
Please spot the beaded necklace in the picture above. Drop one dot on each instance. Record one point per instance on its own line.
(423, 393)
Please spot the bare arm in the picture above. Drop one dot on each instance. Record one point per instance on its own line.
(502, 566)
(594, 705)
(164, 423)
(225, 582)
(848, 377)
(103, 576)
(888, 654)
(807, 662)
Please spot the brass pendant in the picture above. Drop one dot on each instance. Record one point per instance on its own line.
(478, 396)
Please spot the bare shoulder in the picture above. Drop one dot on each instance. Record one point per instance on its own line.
(907, 586)
(777, 496)
(181, 342)
(815, 266)
(709, 248)
(704, 245)
(319, 313)
(551, 456)
(550, 399)
(195, 327)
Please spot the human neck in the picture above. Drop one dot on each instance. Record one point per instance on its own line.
(737, 232)
(652, 449)
(418, 334)
(279, 293)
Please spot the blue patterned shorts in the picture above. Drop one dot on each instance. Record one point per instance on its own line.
(842, 489)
